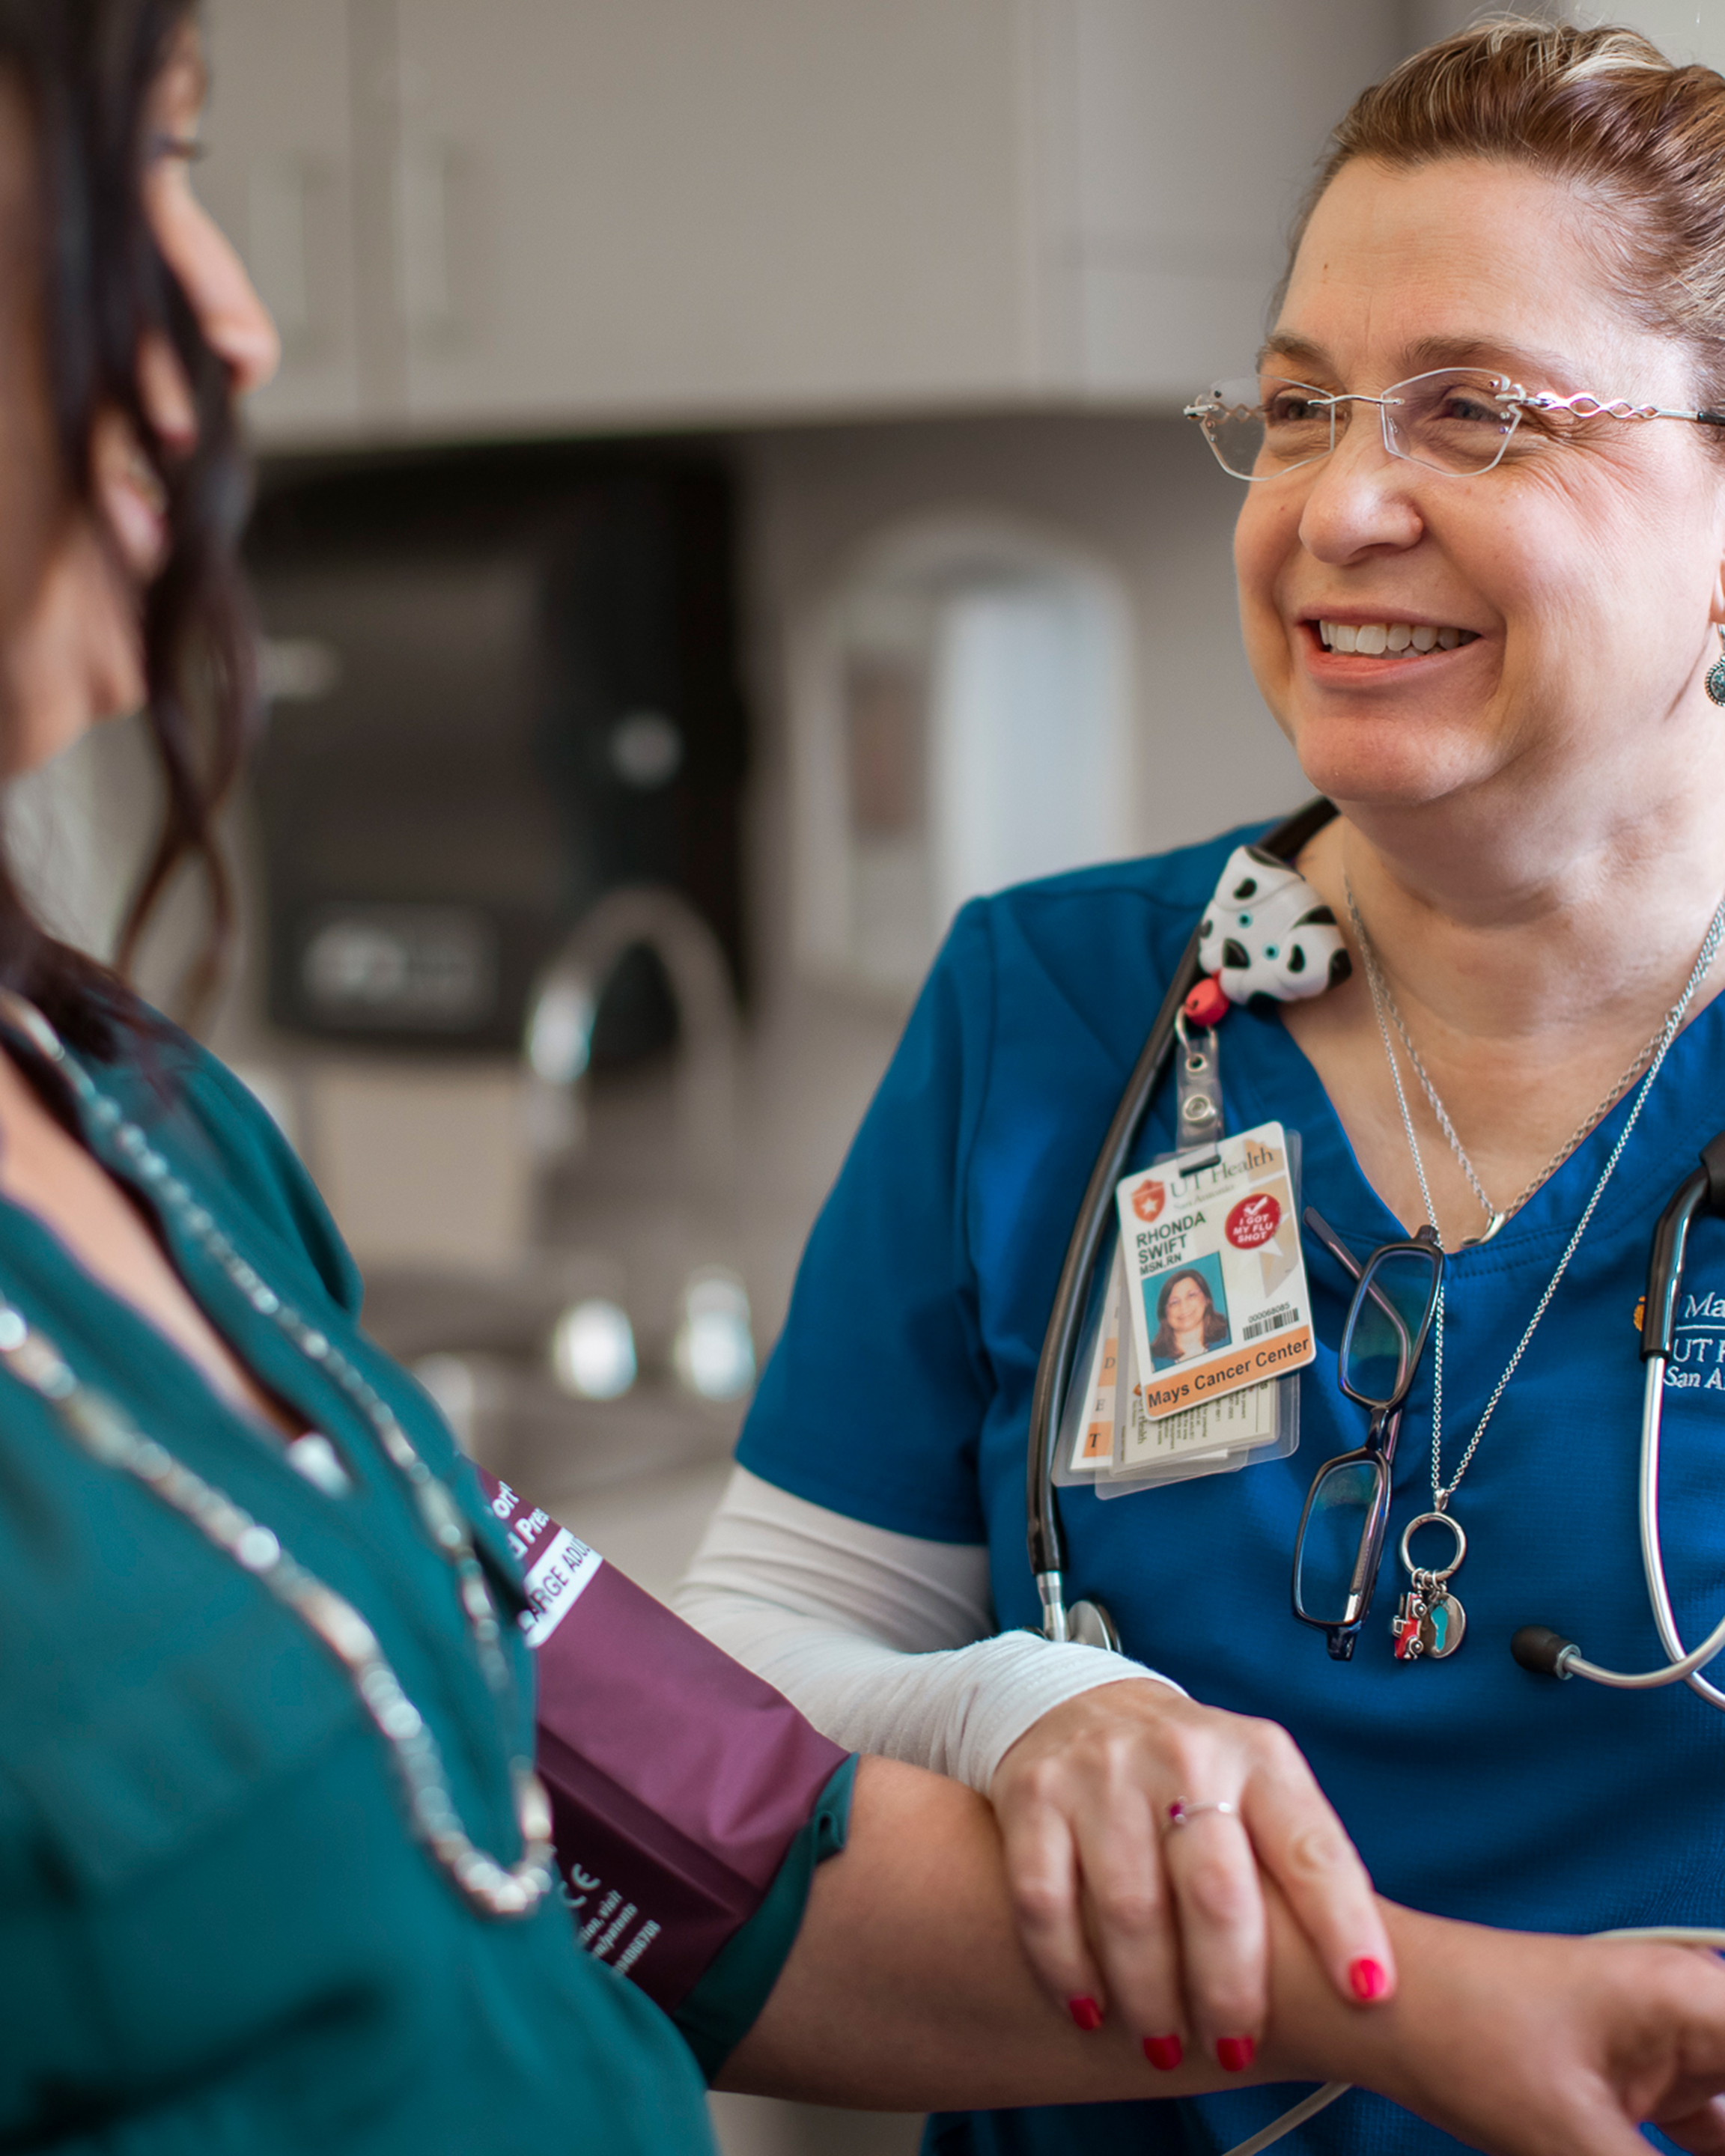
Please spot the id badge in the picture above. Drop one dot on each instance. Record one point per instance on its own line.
(1109, 1444)
(1215, 1288)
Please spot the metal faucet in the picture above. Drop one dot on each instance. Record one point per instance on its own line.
(558, 1042)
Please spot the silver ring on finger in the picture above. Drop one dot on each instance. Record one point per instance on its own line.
(1183, 1810)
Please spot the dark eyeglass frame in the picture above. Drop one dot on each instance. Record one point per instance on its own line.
(1385, 1427)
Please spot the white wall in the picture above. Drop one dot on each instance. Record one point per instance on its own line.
(1142, 495)
(1683, 29)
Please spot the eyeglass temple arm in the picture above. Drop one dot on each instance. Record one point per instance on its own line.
(1332, 1243)
(1586, 406)
(1344, 1257)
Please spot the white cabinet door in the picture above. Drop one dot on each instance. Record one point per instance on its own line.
(494, 216)
(618, 209)
(279, 180)
(1170, 142)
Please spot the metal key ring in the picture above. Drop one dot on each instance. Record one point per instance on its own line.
(1434, 1520)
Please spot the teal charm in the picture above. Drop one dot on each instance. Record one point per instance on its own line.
(1430, 1623)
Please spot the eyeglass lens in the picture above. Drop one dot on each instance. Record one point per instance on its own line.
(1260, 425)
(1336, 1562)
(1386, 1324)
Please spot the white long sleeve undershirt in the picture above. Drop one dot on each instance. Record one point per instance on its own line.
(883, 1640)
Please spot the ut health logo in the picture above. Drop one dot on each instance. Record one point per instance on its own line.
(1148, 1200)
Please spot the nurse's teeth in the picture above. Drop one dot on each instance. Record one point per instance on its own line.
(1373, 639)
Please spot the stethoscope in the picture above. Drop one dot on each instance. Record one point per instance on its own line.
(1538, 1647)
(1535, 1647)
(1087, 1620)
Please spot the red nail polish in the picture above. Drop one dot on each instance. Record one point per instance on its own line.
(1236, 2053)
(1085, 2013)
(1164, 2053)
(1368, 1979)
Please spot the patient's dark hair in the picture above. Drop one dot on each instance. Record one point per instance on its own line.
(86, 69)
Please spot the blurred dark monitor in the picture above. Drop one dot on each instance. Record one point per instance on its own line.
(500, 683)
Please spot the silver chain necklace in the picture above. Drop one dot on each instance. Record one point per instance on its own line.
(103, 1429)
(1495, 1218)
(1430, 1587)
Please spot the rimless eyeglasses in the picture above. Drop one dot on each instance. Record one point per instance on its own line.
(1458, 421)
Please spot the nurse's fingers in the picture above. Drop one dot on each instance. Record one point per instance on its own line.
(1043, 1880)
(1304, 1847)
(1224, 1934)
(1701, 2132)
(1130, 1914)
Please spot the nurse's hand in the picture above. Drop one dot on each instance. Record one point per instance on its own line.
(1163, 1927)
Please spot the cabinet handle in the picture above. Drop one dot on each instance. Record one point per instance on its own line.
(429, 176)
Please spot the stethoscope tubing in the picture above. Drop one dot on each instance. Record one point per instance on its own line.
(1702, 1189)
(1685, 1664)
(1089, 1230)
(1054, 1367)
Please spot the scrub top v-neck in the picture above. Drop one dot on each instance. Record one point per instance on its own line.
(216, 1931)
(898, 1394)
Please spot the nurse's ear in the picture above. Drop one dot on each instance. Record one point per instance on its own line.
(1713, 681)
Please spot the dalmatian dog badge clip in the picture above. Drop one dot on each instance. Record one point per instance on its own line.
(1265, 932)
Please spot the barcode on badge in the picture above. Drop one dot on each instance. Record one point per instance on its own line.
(1268, 1320)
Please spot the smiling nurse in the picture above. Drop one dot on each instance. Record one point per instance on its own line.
(1481, 556)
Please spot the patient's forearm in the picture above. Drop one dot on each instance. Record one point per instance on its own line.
(907, 1990)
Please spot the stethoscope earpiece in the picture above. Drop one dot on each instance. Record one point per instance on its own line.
(1546, 1653)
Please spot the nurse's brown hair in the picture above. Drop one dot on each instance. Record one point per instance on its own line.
(1641, 142)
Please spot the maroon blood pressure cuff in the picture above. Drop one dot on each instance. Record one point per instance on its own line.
(689, 1798)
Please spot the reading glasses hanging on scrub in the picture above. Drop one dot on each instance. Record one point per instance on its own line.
(1340, 1547)
(1458, 421)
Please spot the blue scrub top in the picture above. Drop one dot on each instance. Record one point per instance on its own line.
(900, 1395)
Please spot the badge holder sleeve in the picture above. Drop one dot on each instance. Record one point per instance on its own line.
(1179, 1462)
(1094, 1398)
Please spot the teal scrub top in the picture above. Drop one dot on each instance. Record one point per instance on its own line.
(216, 1932)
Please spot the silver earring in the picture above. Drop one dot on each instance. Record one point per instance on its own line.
(1716, 672)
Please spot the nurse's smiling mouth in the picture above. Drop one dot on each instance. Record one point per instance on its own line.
(1335, 645)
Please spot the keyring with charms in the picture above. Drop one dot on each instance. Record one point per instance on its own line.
(1430, 1621)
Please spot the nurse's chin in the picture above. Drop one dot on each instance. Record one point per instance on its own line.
(1383, 763)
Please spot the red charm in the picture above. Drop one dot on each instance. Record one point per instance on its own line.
(1207, 1005)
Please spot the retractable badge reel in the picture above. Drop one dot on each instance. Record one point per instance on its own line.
(1197, 1078)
